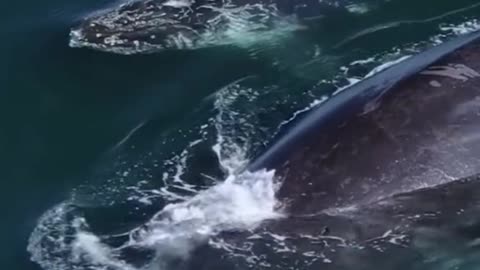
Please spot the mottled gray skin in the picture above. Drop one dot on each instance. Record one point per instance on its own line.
(144, 26)
(376, 185)
(422, 229)
(423, 132)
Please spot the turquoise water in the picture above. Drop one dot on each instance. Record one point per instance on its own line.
(67, 114)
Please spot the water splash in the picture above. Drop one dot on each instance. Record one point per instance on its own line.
(179, 25)
(63, 238)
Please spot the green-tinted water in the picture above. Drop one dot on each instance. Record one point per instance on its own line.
(63, 110)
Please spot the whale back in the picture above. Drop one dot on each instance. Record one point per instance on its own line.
(393, 133)
(145, 26)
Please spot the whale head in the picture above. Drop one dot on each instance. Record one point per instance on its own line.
(139, 27)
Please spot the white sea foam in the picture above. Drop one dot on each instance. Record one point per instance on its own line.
(63, 239)
(88, 246)
(462, 28)
(240, 202)
(386, 65)
(360, 8)
(247, 26)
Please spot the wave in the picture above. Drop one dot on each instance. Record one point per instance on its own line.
(63, 238)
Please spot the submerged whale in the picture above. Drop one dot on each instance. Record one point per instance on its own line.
(386, 173)
(143, 26)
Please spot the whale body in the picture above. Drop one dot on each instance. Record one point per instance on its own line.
(144, 26)
(386, 173)
(414, 122)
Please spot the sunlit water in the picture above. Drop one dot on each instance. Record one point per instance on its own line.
(137, 162)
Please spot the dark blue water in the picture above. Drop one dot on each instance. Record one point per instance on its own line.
(106, 131)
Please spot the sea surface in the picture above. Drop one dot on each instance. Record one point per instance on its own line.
(96, 146)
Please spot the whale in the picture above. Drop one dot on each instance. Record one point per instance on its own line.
(145, 26)
(383, 175)
(413, 124)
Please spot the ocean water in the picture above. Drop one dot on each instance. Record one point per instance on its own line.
(126, 162)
